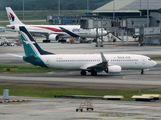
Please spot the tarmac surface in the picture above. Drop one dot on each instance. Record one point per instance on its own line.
(129, 80)
(64, 109)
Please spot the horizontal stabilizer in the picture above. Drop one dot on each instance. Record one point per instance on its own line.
(15, 55)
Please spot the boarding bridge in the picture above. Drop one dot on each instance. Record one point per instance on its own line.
(152, 34)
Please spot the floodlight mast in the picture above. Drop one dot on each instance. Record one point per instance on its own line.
(140, 9)
(58, 7)
(87, 4)
(113, 9)
(23, 5)
(147, 13)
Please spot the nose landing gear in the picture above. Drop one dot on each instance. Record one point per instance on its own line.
(142, 71)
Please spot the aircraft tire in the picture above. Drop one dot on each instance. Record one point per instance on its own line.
(93, 73)
(46, 41)
(83, 72)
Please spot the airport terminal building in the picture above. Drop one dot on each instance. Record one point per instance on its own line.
(122, 9)
(136, 17)
(142, 12)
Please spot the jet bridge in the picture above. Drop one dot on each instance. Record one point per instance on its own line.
(129, 27)
(148, 33)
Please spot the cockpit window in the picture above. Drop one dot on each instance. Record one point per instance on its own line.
(149, 59)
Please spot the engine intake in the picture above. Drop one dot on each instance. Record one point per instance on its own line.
(53, 37)
(114, 69)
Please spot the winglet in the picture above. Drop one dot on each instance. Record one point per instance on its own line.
(103, 58)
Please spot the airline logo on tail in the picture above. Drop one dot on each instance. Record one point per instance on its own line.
(11, 17)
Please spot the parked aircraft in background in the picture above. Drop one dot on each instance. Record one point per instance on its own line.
(52, 32)
(93, 63)
(89, 33)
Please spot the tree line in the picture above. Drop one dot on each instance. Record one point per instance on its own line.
(52, 4)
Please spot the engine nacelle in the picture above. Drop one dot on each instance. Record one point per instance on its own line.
(114, 69)
(53, 37)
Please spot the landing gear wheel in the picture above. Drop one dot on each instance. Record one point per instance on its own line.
(101, 45)
(93, 73)
(62, 41)
(46, 41)
(83, 72)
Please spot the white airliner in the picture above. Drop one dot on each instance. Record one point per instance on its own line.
(93, 63)
(53, 32)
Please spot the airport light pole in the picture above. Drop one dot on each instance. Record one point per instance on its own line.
(58, 7)
(140, 8)
(147, 13)
(113, 9)
(87, 4)
(23, 10)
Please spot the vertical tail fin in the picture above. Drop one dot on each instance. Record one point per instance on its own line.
(32, 50)
(13, 19)
(30, 45)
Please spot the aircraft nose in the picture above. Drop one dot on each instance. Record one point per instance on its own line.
(154, 63)
(105, 32)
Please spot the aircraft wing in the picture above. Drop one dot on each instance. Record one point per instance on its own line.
(98, 67)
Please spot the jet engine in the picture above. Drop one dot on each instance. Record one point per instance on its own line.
(114, 69)
(53, 37)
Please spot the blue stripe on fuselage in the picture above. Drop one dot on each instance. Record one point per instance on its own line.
(69, 32)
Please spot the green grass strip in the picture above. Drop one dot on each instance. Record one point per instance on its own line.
(156, 58)
(24, 68)
(37, 91)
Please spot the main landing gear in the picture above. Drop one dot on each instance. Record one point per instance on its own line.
(83, 72)
(93, 73)
(46, 41)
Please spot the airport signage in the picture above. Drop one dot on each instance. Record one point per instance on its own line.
(135, 22)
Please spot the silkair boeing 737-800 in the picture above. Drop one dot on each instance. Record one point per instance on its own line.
(110, 63)
(53, 32)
